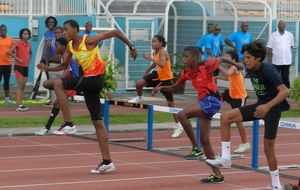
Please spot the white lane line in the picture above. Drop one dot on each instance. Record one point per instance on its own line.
(90, 166)
(114, 180)
(40, 145)
(71, 154)
(256, 188)
(277, 155)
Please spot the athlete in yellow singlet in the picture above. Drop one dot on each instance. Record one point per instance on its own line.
(86, 52)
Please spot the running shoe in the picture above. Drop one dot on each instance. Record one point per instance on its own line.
(8, 101)
(103, 168)
(219, 162)
(195, 154)
(22, 108)
(42, 132)
(213, 178)
(136, 100)
(65, 130)
(177, 131)
(242, 148)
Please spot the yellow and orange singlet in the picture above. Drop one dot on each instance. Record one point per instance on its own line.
(89, 60)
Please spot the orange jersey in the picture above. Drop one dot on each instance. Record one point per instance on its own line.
(164, 73)
(89, 60)
(236, 88)
(5, 44)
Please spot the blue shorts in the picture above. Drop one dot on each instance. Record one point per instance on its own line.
(210, 105)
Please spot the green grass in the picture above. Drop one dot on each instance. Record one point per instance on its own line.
(27, 102)
(11, 122)
(291, 113)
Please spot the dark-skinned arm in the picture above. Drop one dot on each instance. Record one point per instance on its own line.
(47, 52)
(93, 41)
(172, 88)
(152, 66)
(227, 73)
(209, 52)
(63, 66)
(229, 43)
(262, 110)
(161, 63)
(269, 55)
(221, 78)
(229, 61)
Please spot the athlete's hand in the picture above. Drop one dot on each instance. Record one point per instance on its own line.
(261, 111)
(42, 67)
(21, 61)
(147, 56)
(133, 53)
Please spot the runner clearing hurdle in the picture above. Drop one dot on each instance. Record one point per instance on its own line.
(86, 52)
(201, 75)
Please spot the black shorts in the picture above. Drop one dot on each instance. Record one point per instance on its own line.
(271, 119)
(91, 88)
(234, 103)
(20, 71)
(152, 80)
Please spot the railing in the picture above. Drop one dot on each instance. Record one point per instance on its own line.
(286, 9)
(49, 7)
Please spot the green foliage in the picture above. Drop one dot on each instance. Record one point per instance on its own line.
(112, 69)
(295, 90)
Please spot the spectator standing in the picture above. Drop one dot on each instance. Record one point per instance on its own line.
(49, 45)
(280, 51)
(214, 44)
(23, 54)
(88, 30)
(202, 42)
(238, 39)
(6, 43)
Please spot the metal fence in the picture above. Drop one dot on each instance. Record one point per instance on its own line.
(49, 7)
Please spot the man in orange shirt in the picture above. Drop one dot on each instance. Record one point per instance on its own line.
(6, 43)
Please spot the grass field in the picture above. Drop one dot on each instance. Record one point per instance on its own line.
(10, 122)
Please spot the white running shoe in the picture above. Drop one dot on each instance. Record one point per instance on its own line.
(242, 148)
(177, 131)
(65, 130)
(280, 188)
(22, 108)
(42, 132)
(219, 162)
(102, 168)
(136, 100)
(8, 101)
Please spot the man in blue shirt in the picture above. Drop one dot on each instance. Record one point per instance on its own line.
(88, 30)
(239, 39)
(201, 43)
(215, 43)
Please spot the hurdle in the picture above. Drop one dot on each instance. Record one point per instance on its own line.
(255, 162)
(150, 111)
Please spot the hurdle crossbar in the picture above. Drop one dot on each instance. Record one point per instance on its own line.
(152, 108)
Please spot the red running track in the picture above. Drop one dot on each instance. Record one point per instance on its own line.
(63, 163)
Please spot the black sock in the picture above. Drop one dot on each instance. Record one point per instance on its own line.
(106, 162)
(68, 123)
(54, 113)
